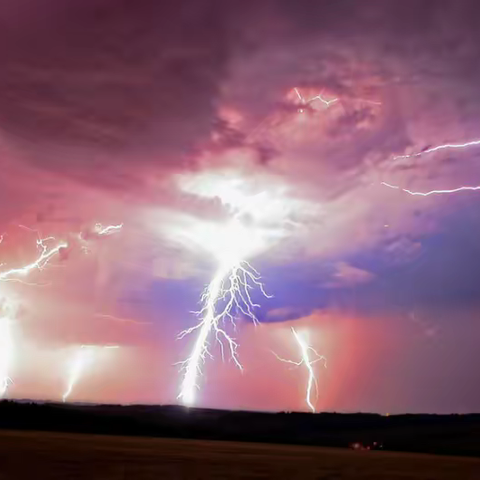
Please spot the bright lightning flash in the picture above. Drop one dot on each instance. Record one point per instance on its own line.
(83, 359)
(432, 150)
(6, 339)
(7, 315)
(45, 256)
(257, 220)
(305, 350)
(440, 147)
(228, 293)
(6, 346)
(431, 192)
(99, 229)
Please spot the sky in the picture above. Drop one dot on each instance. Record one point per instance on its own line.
(163, 118)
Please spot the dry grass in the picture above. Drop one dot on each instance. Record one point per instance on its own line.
(39, 455)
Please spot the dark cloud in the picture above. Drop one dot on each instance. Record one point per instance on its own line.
(124, 89)
(388, 50)
(104, 83)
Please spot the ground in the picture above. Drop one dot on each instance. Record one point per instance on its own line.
(41, 455)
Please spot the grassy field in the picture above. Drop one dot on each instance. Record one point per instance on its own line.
(40, 455)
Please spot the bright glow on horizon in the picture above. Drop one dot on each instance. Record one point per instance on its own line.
(82, 359)
(6, 345)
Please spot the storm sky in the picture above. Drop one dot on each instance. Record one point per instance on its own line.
(108, 108)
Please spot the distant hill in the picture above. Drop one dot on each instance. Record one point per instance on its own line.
(438, 434)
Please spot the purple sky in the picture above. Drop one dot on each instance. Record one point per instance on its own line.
(106, 107)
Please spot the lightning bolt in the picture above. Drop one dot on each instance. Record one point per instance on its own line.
(431, 192)
(6, 347)
(440, 147)
(463, 188)
(305, 350)
(99, 229)
(46, 254)
(84, 356)
(319, 97)
(6, 338)
(227, 294)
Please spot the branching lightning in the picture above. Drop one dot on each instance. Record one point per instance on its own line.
(257, 221)
(227, 294)
(84, 356)
(462, 188)
(305, 350)
(309, 101)
(45, 256)
(99, 229)
(431, 192)
(440, 147)
(7, 315)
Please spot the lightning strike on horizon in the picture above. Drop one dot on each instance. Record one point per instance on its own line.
(6, 339)
(6, 347)
(431, 192)
(439, 147)
(80, 362)
(228, 293)
(304, 350)
(258, 220)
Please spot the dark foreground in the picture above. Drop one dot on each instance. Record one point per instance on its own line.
(457, 435)
(41, 455)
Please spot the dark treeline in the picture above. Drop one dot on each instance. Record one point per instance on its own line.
(439, 434)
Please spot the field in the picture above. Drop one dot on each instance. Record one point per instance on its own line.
(41, 455)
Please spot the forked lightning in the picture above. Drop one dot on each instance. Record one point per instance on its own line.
(305, 350)
(227, 294)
